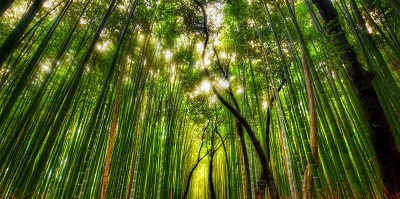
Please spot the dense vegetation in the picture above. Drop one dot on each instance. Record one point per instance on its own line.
(199, 99)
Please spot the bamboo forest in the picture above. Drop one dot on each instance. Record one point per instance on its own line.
(229, 99)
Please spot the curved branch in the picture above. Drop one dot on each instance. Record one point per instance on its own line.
(253, 138)
(205, 30)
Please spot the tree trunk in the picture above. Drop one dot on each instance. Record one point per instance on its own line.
(115, 114)
(227, 164)
(262, 181)
(256, 143)
(111, 140)
(261, 185)
(12, 40)
(5, 5)
(29, 71)
(306, 187)
(48, 145)
(189, 179)
(307, 179)
(210, 170)
(387, 154)
(199, 158)
(239, 129)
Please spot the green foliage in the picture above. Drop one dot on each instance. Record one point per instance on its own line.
(166, 99)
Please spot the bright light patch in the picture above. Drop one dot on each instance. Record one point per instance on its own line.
(168, 55)
(223, 83)
(103, 46)
(239, 90)
(265, 105)
(199, 47)
(214, 13)
(223, 55)
(182, 40)
(46, 68)
(47, 4)
(172, 73)
(122, 7)
(233, 57)
(251, 23)
(368, 28)
(207, 62)
(213, 100)
(197, 64)
(205, 86)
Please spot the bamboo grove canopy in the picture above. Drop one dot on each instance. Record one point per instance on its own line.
(199, 99)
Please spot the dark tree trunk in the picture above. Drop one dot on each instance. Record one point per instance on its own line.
(239, 117)
(12, 39)
(227, 164)
(387, 154)
(37, 169)
(210, 171)
(256, 143)
(188, 181)
(264, 179)
(30, 69)
(239, 129)
(199, 158)
(261, 185)
(4, 6)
